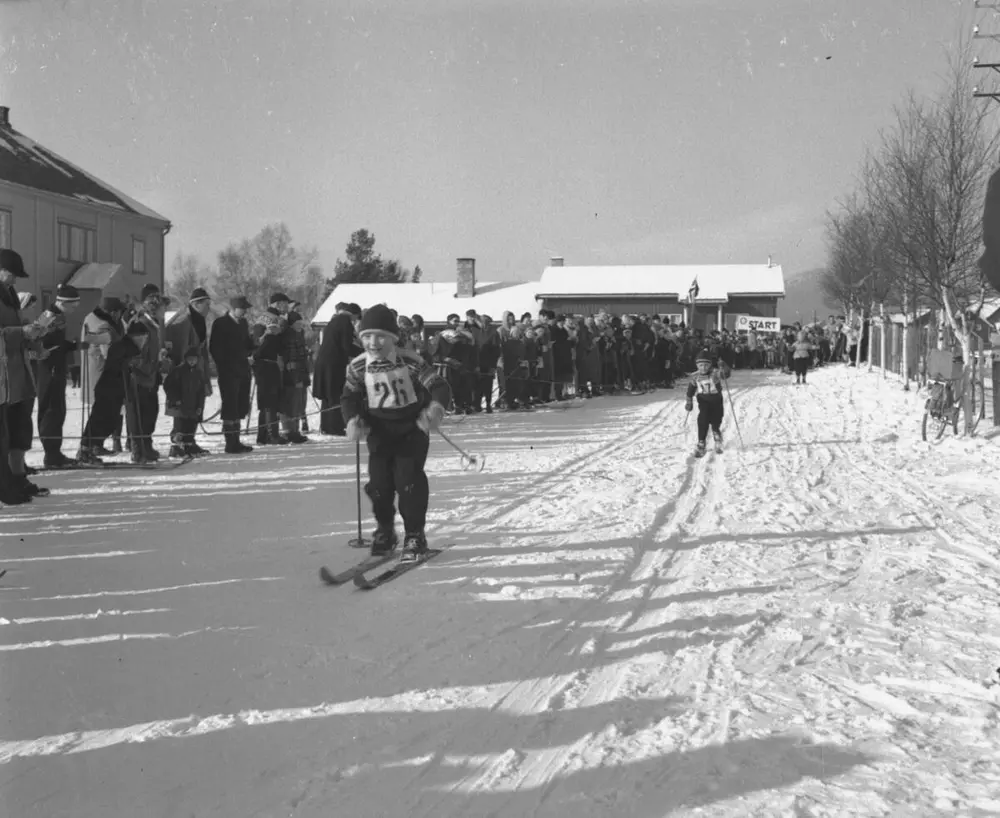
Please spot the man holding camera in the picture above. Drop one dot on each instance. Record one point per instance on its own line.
(17, 386)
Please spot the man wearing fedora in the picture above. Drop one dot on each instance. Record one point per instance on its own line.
(17, 387)
(186, 330)
(52, 376)
(142, 408)
(231, 347)
(101, 328)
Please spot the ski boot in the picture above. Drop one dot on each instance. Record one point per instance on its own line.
(414, 547)
(384, 541)
(29, 489)
(700, 449)
(88, 456)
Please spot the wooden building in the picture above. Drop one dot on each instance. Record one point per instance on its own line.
(724, 291)
(72, 228)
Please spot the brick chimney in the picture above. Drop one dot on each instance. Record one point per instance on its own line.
(4, 116)
(466, 278)
(556, 261)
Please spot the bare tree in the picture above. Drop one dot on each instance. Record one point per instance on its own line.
(186, 274)
(268, 263)
(927, 181)
(861, 274)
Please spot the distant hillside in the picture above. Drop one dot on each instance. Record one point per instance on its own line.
(802, 298)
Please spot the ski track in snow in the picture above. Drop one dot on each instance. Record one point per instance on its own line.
(801, 626)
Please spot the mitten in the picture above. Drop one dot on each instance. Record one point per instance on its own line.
(431, 417)
(689, 405)
(357, 430)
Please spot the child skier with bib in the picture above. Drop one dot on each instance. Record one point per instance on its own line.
(706, 384)
(393, 399)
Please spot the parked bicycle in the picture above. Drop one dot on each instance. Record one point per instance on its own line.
(947, 384)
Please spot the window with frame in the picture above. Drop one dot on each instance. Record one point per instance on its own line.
(6, 220)
(77, 244)
(48, 297)
(138, 257)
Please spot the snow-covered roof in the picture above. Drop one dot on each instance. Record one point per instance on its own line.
(897, 317)
(24, 162)
(990, 308)
(716, 282)
(434, 300)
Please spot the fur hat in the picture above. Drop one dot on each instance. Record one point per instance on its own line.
(148, 290)
(192, 352)
(379, 319)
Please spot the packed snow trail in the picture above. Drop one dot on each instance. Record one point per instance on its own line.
(803, 626)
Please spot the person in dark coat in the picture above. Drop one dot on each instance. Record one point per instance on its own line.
(294, 377)
(267, 363)
(17, 388)
(489, 357)
(562, 357)
(52, 376)
(231, 347)
(187, 329)
(185, 390)
(338, 348)
(112, 390)
(143, 406)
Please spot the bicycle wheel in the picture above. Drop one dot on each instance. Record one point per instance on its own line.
(935, 425)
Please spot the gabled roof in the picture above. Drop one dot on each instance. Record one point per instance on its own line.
(434, 301)
(24, 162)
(716, 282)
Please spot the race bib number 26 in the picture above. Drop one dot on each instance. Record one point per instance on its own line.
(390, 390)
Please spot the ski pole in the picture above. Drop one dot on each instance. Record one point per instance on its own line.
(359, 541)
(253, 391)
(732, 409)
(476, 461)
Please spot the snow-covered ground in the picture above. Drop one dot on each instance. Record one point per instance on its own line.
(804, 626)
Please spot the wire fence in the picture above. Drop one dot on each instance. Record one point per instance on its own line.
(919, 341)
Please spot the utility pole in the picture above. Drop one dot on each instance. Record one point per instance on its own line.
(978, 34)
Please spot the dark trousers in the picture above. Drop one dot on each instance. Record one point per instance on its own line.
(234, 390)
(52, 415)
(710, 414)
(460, 382)
(184, 431)
(6, 476)
(484, 389)
(800, 366)
(141, 414)
(396, 467)
(331, 421)
(105, 418)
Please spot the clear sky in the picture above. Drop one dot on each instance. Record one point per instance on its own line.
(606, 131)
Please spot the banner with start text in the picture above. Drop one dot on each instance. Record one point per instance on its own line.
(746, 323)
